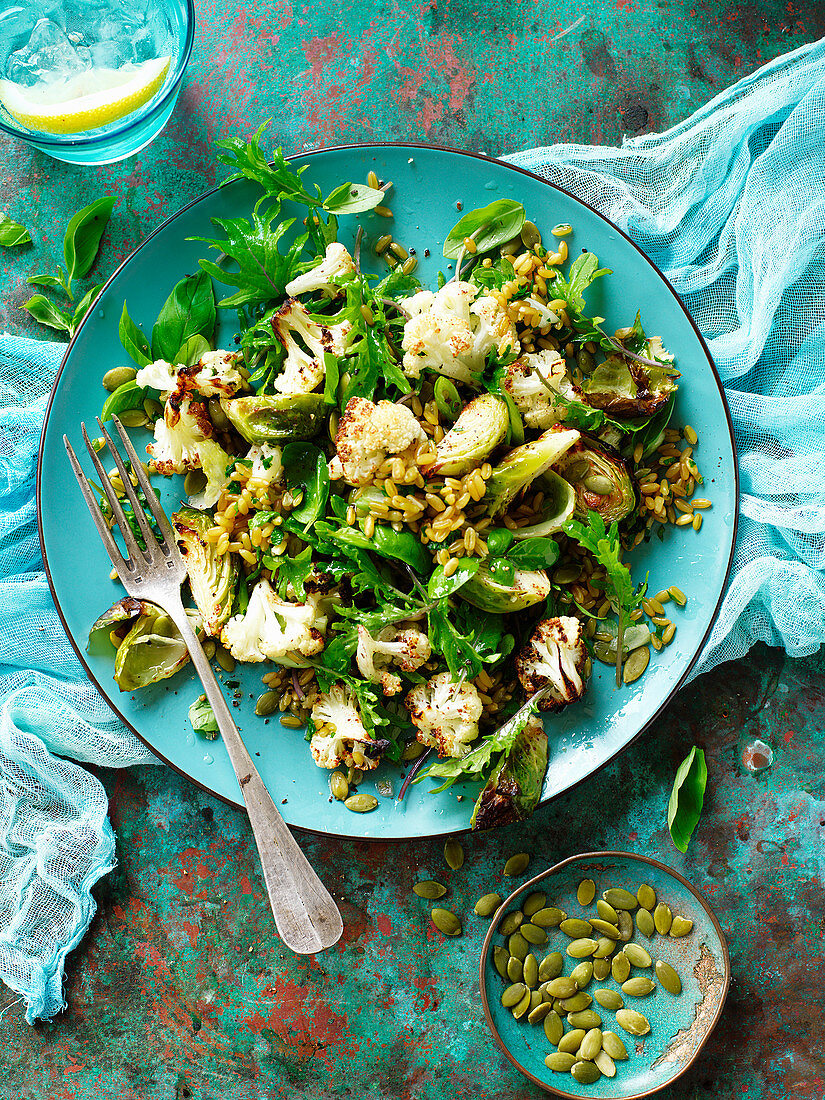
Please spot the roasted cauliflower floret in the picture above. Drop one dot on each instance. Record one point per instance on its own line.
(266, 462)
(273, 628)
(534, 400)
(452, 330)
(404, 646)
(183, 441)
(337, 265)
(305, 342)
(340, 736)
(554, 657)
(216, 374)
(367, 434)
(445, 714)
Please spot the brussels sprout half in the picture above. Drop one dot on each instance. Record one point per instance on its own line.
(600, 480)
(212, 577)
(625, 388)
(522, 466)
(487, 592)
(276, 418)
(514, 789)
(153, 648)
(480, 428)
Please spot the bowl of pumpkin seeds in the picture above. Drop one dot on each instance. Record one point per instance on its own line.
(604, 976)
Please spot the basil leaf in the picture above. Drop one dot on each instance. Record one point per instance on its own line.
(83, 233)
(47, 313)
(45, 280)
(305, 469)
(440, 585)
(687, 797)
(534, 553)
(12, 233)
(188, 311)
(128, 396)
(353, 198)
(84, 305)
(192, 351)
(203, 718)
(489, 226)
(133, 340)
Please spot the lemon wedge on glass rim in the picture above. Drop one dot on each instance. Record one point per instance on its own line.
(85, 101)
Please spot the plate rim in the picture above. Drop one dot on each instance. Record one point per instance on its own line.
(578, 858)
(308, 154)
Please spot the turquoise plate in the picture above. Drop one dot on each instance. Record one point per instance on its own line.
(679, 1026)
(429, 186)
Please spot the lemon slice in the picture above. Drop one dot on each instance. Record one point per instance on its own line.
(86, 100)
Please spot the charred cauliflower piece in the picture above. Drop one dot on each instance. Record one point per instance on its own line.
(535, 400)
(326, 277)
(554, 657)
(405, 646)
(445, 714)
(340, 736)
(284, 632)
(305, 341)
(367, 434)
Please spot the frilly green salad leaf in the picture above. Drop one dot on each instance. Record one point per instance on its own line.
(488, 226)
(687, 798)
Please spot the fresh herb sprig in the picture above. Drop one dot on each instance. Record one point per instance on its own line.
(12, 233)
(687, 798)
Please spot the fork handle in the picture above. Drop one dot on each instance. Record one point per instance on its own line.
(305, 914)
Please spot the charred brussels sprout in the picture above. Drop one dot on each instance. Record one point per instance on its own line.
(490, 593)
(600, 480)
(557, 507)
(480, 428)
(625, 388)
(514, 789)
(152, 648)
(522, 466)
(212, 576)
(276, 418)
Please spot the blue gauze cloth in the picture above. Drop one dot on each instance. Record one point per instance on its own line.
(731, 206)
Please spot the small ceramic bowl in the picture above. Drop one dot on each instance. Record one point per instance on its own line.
(679, 1025)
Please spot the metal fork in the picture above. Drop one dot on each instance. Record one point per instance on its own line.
(306, 916)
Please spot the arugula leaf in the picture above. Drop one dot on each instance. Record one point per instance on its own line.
(488, 226)
(47, 313)
(687, 798)
(133, 340)
(396, 284)
(83, 233)
(12, 233)
(495, 276)
(188, 311)
(456, 648)
(582, 273)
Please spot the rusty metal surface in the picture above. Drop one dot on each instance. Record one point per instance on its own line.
(181, 991)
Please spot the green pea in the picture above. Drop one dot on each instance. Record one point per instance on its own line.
(499, 540)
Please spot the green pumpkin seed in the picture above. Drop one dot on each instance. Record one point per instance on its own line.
(209, 648)
(582, 974)
(501, 956)
(523, 1007)
(602, 486)
(575, 929)
(605, 927)
(577, 1002)
(551, 966)
(530, 971)
(486, 906)
(530, 236)
(224, 658)
(533, 934)
(635, 664)
(118, 376)
(559, 1062)
(412, 751)
(536, 1000)
(516, 865)
(604, 948)
(558, 1006)
(646, 897)
(613, 1045)
(620, 898)
(446, 922)
(586, 1073)
(562, 987)
(625, 926)
(194, 482)
(587, 887)
(586, 1019)
(607, 912)
(361, 803)
(533, 903)
(539, 1013)
(668, 978)
(454, 855)
(591, 1044)
(571, 1042)
(609, 998)
(637, 955)
(662, 918)
(429, 889)
(339, 788)
(553, 1027)
(620, 968)
(644, 922)
(601, 968)
(133, 418)
(680, 927)
(580, 949)
(549, 918)
(607, 1067)
(638, 987)
(511, 922)
(517, 945)
(513, 994)
(267, 703)
(515, 969)
(634, 1023)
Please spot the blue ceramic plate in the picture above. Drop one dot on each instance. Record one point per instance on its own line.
(679, 1026)
(429, 185)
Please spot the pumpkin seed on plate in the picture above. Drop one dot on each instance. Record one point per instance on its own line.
(511, 922)
(517, 945)
(646, 896)
(582, 974)
(539, 1013)
(601, 968)
(361, 803)
(513, 994)
(553, 1027)
(267, 703)
(338, 786)
(530, 971)
(551, 966)
(635, 664)
(638, 986)
(634, 1023)
(575, 929)
(116, 377)
(133, 418)
(609, 998)
(429, 889)
(680, 927)
(517, 864)
(586, 1073)
(501, 956)
(644, 922)
(454, 855)
(604, 947)
(620, 898)
(487, 905)
(535, 1000)
(586, 891)
(523, 1006)
(591, 1044)
(571, 1042)
(577, 1002)
(668, 978)
(446, 922)
(549, 918)
(637, 955)
(620, 968)
(559, 1062)
(586, 1019)
(533, 903)
(662, 918)
(605, 927)
(563, 986)
(530, 236)
(607, 912)
(614, 1046)
(533, 934)
(515, 969)
(625, 926)
(605, 1063)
